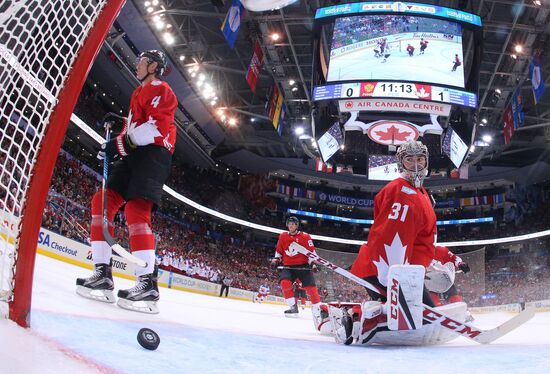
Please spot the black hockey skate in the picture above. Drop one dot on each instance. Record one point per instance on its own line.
(292, 312)
(99, 286)
(142, 297)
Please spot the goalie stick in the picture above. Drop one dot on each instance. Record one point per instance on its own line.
(431, 315)
(105, 223)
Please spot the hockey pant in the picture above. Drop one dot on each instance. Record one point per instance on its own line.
(138, 219)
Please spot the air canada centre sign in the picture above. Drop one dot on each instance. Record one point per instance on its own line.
(394, 105)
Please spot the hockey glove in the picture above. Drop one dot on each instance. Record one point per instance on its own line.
(120, 147)
(276, 261)
(464, 267)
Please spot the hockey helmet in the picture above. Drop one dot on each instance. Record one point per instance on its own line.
(157, 56)
(413, 148)
(293, 219)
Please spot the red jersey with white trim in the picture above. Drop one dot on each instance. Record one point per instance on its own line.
(443, 255)
(153, 105)
(404, 231)
(291, 257)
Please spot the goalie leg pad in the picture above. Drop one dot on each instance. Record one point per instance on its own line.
(342, 325)
(405, 291)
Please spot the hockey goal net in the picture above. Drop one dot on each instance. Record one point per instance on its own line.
(46, 50)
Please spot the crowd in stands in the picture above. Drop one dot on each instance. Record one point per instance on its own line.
(191, 245)
(207, 249)
(350, 30)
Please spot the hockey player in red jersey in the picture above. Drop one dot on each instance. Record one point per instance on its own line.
(410, 50)
(456, 63)
(404, 232)
(423, 46)
(295, 265)
(143, 153)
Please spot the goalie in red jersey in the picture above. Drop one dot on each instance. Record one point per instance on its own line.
(143, 153)
(404, 232)
(294, 265)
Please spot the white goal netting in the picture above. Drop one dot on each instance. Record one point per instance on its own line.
(39, 44)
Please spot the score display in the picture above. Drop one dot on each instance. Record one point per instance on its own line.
(392, 89)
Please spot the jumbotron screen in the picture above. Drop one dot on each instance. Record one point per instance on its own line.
(396, 47)
(383, 168)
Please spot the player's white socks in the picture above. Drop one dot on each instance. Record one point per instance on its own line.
(101, 252)
(147, 255)
(291, 301)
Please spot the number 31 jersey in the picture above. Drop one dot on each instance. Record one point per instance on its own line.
(404, 231)
(154, 105)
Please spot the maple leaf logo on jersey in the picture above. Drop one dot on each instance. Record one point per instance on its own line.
(292, 249)
(395, 254)
(145, 133)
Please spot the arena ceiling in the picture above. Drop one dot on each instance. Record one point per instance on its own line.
(506, 24)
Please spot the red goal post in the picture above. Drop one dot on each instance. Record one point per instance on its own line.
(46, 50)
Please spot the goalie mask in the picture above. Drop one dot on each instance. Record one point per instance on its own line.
(412, 161)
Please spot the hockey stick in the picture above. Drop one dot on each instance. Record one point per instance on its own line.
(430, 314)
(105, 226)
(291, 268)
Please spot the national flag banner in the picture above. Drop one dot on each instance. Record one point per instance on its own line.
(463, 172)
(320, 165)
(508, 124)
(329, 168)
(537, 81)
(273, 103)
(281, 120)
(517, 109)
(310, 194)
(499, 198)
(232, 22)
(255, 67)
(277, 113)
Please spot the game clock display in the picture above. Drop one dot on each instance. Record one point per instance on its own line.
(391, 89)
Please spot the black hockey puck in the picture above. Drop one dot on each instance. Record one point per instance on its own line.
(148, 339)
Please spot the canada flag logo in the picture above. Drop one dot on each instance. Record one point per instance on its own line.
(349, 104)
(392, 132)
(423, 91)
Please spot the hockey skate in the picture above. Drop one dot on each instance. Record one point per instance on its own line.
(99, 286)
(292, 312)
(142, 297)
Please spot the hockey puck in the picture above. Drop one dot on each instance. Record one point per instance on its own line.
(148, 339)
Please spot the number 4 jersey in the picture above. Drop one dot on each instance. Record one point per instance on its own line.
(404, 231)
(151, 117)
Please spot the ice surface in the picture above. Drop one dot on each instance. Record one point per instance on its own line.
(214, 335)
(433, 66)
